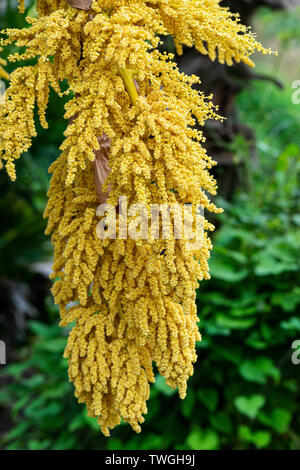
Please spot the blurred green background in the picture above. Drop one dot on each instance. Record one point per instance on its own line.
(245, 390)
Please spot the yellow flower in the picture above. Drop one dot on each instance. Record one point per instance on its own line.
(133, 301)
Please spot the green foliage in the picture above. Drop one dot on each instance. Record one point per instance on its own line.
(22, 227)
(285, 23)
(43, 406)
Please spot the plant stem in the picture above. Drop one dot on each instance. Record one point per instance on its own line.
(129, 85)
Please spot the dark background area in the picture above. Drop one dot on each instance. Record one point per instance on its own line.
(245, 390)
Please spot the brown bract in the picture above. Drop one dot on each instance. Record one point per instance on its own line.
(101, 168)
(80, 4)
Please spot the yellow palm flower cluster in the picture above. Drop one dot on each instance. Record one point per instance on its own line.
(131, 301)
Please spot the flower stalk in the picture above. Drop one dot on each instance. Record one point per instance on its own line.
(129, 85)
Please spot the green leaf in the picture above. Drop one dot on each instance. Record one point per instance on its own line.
(34, 382)
(44, 331)
(58, 390)
(16, 370)
(223, 269)
(77, 422)
(34, 444)
(32, 11)
(53, 345)
(250, 405)
(221, 422)
(115, 444)
(293, 324)
(255, 341)
(240, 311)
(287, 300)
(203, 440)
(260, 439)
(4, 397)
(65, 441)
(231, 353)
(234, 323)
(259, 369)
(280, 420)
(230, 255)
(21, 402)
(160, 384)
(266, 265)
(245, 433)
(209, 397)
(283, 251)
(188, 403)
(153, 441)
(18, 431)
